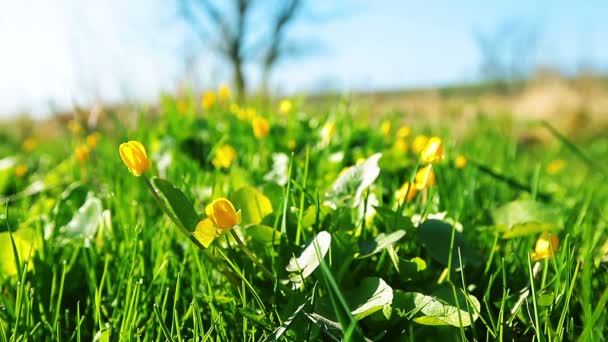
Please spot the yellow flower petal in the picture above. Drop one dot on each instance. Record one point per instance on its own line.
(545, 246)
(261, 127)
(460, 162)
(133, 154)
(425, 177)
(432, 151)
(223, 214)
(205, 232)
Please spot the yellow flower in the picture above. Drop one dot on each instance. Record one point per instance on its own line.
(385, 128)
(404, 132)
(223, 214)
(327, 132)
(182, 106)
(20, 170)
(82, 153)
(407, 191)
(460, 162)
(433, 151)
(545, 246)
(29, 144)
(419, 143)
(223, 92)
(133, 154)
(261, 127)
(425, 177)
(285, 106)
(93, 139)
(291, 144)
(556, 166)
(208, 100)
(224, 157)
(400, 145)
(74, 127)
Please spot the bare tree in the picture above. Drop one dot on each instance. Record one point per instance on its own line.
(508, 54)
(231, 24)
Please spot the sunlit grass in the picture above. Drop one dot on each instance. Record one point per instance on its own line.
(442, 236)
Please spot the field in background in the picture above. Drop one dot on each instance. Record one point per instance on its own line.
(452, 214)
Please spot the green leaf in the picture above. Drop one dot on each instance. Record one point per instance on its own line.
(308, 260)
(379, 243)
(371, 295)
(26, 243)
(525, 217)
(348, 188)
(263, 235)
(70, 201)
(439, 308)
(523, 211)
(528, 228)
(436, 236)
(84, 223)
(254, 205)
(177, 203)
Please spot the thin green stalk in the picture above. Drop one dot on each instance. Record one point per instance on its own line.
(250, 255)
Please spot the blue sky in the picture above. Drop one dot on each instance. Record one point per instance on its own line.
(56, 53)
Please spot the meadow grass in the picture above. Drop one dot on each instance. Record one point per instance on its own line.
(89, 254)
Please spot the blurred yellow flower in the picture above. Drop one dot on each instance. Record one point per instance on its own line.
(291, 144)
(404, 132)
(556, 166)
(29, 144)
(208, 99)
(133, 154)
(20, 170)
(432, 151)
(400, 145)
(261, 127)
(82, 153)
(285, 106)
(545, 246)
(327, 132)
(385, 128)
(74, 127)
(419, 143)
(182, 106)
(224, 157)
(246, 114)
(460, 162)
(223, 214)
(407, 191)
(93, 139)
(223, 92)
(425, 177)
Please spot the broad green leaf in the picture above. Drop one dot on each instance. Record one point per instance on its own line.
(263, 235)
(254, 205)
(528, 228)
(70, 201)
(378, 244)
(388, 219)
(177, 203)
(26, 242)
(84, 223)
(372, 294)
(308, 260)
(524, 211)
(437, 309)
(436, 236)
(348, 189)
